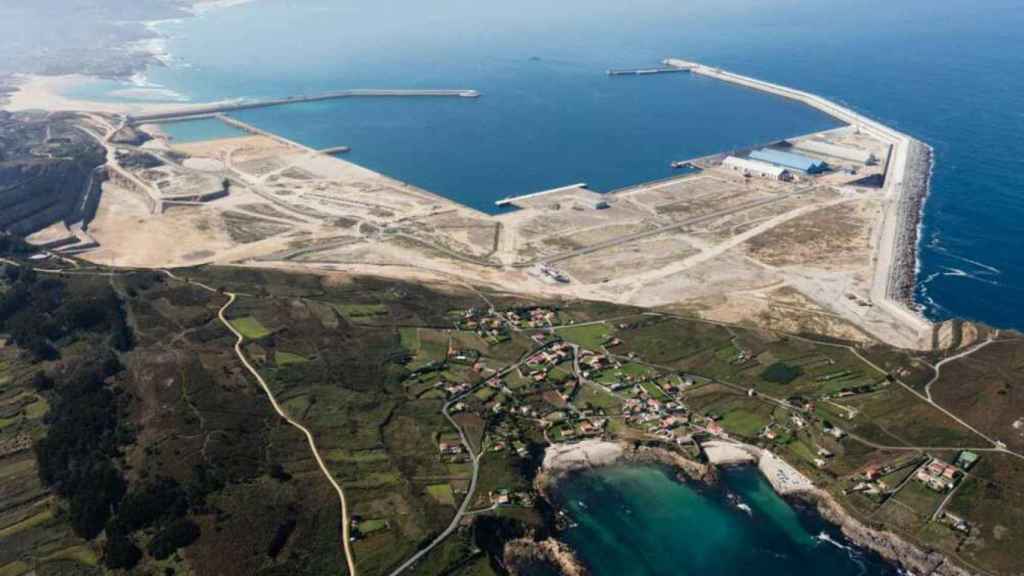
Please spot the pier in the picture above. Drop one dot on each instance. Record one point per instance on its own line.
(645, 71)
(512, 201)
(335, 150)
(194, 112)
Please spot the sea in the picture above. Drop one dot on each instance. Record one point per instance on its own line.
(639, 520)
(950, 73)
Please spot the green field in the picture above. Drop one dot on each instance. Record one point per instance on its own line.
(427, 346)
(591, 336)
(742, 422)
(356, 311)
(286, 358)
(597, 397)
(371, 526)
(410, 339)
(250, 327)
(485, 393)
(361, 456)
(442, 493)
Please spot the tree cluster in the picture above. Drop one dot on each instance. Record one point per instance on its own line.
(41, 312)
(77, 455)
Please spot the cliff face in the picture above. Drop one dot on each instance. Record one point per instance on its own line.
(44, 179)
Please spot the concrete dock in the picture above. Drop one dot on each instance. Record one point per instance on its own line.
(336, 150)
(512, 201)
(644, 71)
(195, 112)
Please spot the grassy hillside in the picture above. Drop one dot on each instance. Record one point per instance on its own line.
(131, 435)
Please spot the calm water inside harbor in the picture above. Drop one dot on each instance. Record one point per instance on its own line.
(199, 130)
(640, 521)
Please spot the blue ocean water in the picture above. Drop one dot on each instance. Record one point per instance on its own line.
(639, 521)
(947, 72)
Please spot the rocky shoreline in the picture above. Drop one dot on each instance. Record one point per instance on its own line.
(886, 544)
(916, 184)
(523, 556)
(562, 461)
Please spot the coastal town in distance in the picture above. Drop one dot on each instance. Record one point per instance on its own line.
(227, 348)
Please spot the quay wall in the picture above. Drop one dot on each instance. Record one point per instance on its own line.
(511, 201)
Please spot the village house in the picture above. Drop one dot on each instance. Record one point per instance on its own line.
(872, 472)
(956, 522)
(449, 448)
(834, 431)
(938, 475)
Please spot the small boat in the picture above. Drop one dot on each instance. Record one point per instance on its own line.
(745, 507)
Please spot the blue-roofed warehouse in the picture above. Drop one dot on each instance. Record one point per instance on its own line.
(789, 160)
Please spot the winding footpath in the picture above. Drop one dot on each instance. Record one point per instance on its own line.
(345, 519)
(345, 522)
(938, 365)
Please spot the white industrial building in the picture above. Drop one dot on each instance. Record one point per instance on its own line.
(757, 168)
(836, 151)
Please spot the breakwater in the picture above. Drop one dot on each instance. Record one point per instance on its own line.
(917, 184)
(191, 112)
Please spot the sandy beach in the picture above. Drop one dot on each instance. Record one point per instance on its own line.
(587, 454)
(46, 93)
(36, 92)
